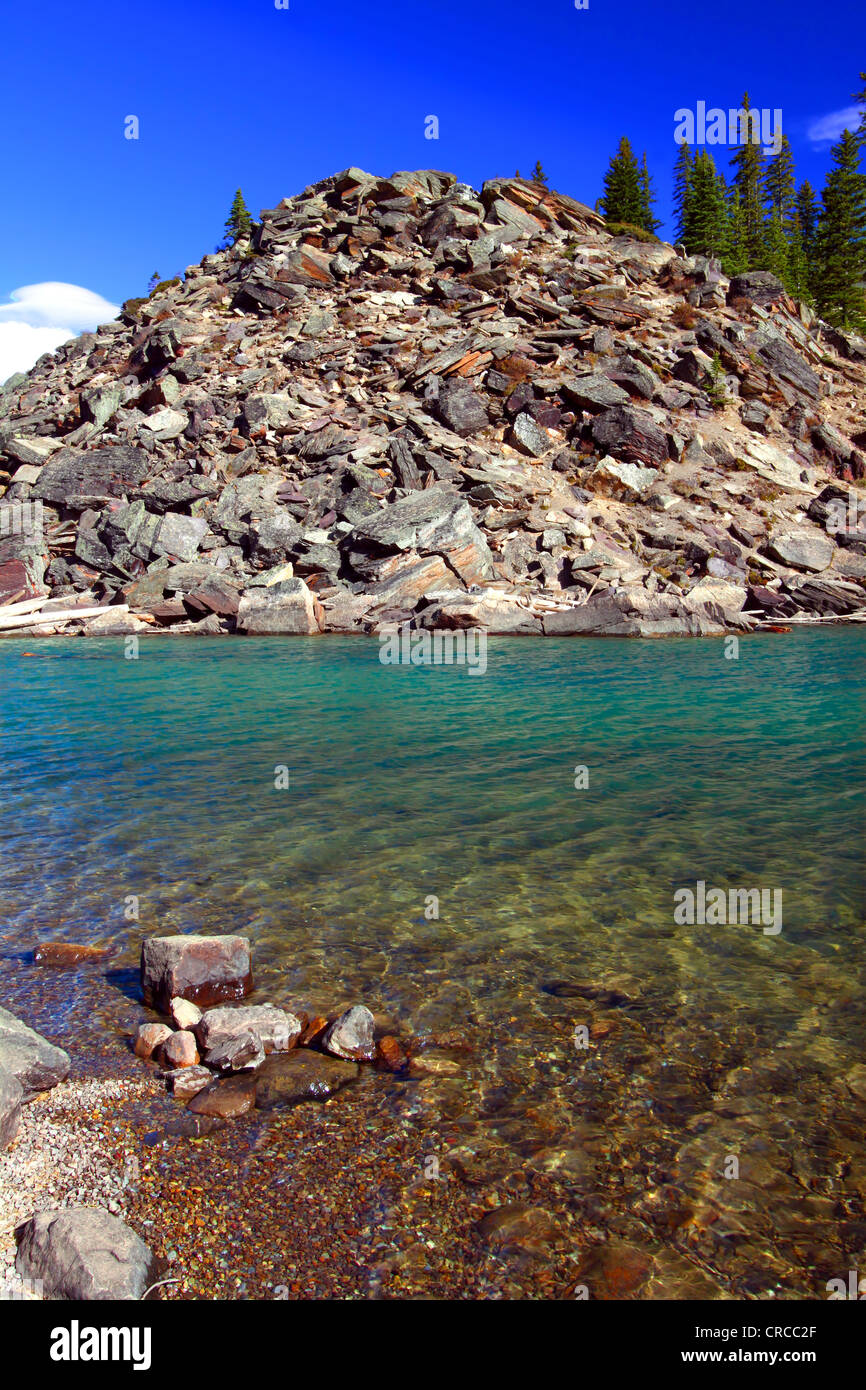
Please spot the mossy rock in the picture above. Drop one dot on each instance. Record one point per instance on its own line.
(626, 229)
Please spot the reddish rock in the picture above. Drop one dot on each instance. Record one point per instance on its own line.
(234, 1096)
(149, 1037)
(180, 1050)
(203, 969)
(390, 1055)
(313, 1030)
(64, 954)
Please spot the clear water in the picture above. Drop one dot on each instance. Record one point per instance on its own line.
(155, 778)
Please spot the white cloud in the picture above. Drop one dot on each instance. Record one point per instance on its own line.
(828, 128)
(38, 318)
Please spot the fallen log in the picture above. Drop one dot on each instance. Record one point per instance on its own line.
(59, 619)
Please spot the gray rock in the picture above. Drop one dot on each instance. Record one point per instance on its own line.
(89, 479)
(179, 537)
(277, 1029)
(462, 409)
(529, 437)
(803, 550)
(284, 607)
(758, 286)
(11, 1097)
(629, 433)
(36, 1064)
(241, 1051)
(625, 481)
(84, 1254)
(204, 969)
(594, 392)
(351, 1035)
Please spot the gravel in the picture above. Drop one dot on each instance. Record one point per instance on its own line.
(72, 1149)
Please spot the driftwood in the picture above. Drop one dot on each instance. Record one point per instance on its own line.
(58, 619)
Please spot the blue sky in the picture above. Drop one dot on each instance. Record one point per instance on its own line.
(238, 92)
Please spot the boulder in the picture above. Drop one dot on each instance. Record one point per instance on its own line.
(288, 1079)
(351, 1035)
(803, 550)
(37, 1064)
(82, 480)
(593, 392)
(287, 607)
(186, 1082)
(461, 408)
(758, 286)
(11, 1097)
(630, 433)
(149, 1038)
(184, 1014)
(179, 537)
(626, 482)
(204, 969)
(277, 1029)
(84, 1254)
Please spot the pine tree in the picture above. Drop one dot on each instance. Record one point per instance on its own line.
(774, 247)
(238, 223)
(799, 277)
(647, 198)
(682, 191)
(779, 184)
(736, 261)
(807, 216)
(841, 238)
(860, 98)
(706, 231)
(621, 200)
(748, 162)
(538, 174)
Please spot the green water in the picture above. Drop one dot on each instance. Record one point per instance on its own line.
(154, 779)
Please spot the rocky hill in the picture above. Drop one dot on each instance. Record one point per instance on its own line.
(406, 400)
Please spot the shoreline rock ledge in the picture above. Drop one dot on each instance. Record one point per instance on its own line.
(204, 970)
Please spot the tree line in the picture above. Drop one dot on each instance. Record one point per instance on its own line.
(759, 219)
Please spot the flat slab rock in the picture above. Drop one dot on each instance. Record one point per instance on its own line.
(25, 1054)
(204, 969)
(289, 1078)
(84, 1253)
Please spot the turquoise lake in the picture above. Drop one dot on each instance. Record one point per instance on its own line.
(433, 858)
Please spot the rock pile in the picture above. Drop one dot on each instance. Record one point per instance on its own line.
(227, 1060)
(405, 400)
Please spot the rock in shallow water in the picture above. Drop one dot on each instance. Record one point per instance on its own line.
(36, 1063)
(179, 1050)
(203, 969)
(351, 1035)
(287, 1079)
(277, 1029)
(149, 1037)
(84, 1253)
(234, 1096)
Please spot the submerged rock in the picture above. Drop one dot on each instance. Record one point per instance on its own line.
(288, 1079)
(233, 1096)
